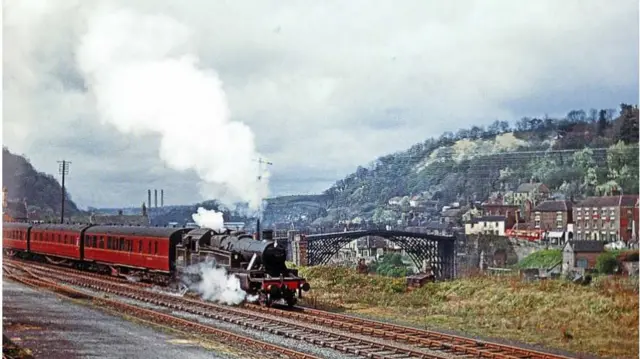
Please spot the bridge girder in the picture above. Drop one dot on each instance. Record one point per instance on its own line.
(437, 250)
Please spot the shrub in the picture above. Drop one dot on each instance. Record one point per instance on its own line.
(606, 263)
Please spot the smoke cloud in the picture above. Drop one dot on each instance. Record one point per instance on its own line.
(208, 219)
(145, 79)
(217, 285)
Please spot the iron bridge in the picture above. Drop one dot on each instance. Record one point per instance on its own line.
(437, 250)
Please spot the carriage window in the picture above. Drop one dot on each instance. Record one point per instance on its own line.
(87, 241)
(140, 246)
(95, 241)
(122, 244)
(101, 242)
(149, 251)
(156, 251)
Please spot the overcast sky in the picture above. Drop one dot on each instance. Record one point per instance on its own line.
(324, 85)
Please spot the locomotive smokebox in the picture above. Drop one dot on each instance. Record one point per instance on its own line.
(267, 235)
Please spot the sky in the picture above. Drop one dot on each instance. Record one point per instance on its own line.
(323, 86)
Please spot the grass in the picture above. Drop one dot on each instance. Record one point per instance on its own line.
(598, 319)
(541, 259)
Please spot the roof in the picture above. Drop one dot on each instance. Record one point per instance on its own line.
(10, 225)
(135, 230)
(16, 210)
(453, 212)
(554, 206)
(59, 227)
(436, 225)
(129, 220)
(587, 246)
(610, 201)
(488, 219)
(528, 187)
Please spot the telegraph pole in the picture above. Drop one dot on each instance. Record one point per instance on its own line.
(260, 162)
(63, 169)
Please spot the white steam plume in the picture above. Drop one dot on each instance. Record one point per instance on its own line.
(208, 219)
(216, 285)
(145, 80)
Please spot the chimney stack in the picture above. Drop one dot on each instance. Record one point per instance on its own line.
(155, 198)
(161, 198)
(149, 195)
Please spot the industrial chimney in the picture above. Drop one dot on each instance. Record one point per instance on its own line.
(161, 198)
(155, 198)
(149, 195)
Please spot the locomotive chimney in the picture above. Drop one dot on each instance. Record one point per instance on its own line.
(161, 198)
(149, 195)
(155, 198)
(258, 230)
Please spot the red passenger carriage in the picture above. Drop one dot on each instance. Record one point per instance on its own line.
(14, 236)
(129, 247)
(57, 240)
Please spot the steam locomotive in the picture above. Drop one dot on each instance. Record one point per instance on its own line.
(161, 255)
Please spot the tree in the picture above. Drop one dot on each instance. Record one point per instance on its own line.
(576, 116)
(504, 126)
(622, 163)
(606, 263)
(629, 129)
(494, 128)
(602, 122)
(523, 124)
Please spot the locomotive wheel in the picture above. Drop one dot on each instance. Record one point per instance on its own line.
(291, 302)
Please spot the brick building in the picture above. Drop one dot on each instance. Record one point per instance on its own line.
(607, 219)
(553, 216)
(581, 255)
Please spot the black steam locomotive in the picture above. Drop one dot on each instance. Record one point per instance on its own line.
(259, 263)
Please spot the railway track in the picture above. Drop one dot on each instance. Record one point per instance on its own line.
(419, 337)
(349, 334)
(33, 280)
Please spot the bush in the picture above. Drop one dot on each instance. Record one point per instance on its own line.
(606, 263)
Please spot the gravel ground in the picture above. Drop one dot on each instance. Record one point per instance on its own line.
(291, 343)
(52, 327)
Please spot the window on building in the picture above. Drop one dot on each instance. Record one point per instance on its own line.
(581, 263)
(559, 223)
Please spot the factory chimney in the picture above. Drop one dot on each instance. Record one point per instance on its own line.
(149, 195)
(155, 198)
(161, 198)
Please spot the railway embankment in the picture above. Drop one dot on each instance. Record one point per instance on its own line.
(600, 319)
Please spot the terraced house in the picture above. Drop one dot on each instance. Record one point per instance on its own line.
(608, 219)
(552, 217)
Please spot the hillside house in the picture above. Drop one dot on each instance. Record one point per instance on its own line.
(121, 219)
(552, 218)
(451, 216)
(395, 201)
(580, 255)
(491, 225)
(607, 219)
(534, 191)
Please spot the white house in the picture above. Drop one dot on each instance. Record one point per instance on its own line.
(495, 225)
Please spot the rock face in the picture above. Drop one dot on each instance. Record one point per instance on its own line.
(25, 184)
